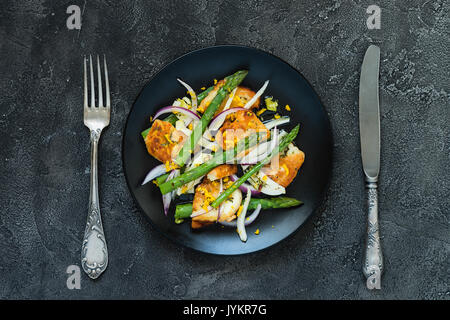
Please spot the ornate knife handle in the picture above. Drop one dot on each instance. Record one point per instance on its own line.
(373, 264)
(94, 253)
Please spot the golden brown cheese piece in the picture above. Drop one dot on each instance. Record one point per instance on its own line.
(222, 171)
(239, 125)
(288, 166)
(207, 192)
(163, 140)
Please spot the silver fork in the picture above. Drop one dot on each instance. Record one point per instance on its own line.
(94, 253)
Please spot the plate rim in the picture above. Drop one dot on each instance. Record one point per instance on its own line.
(331, 157)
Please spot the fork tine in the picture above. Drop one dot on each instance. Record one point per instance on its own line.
(85, 84)
(108, 101)
(100, 89)
(92, 82)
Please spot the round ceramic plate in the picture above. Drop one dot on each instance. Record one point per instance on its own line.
(288, 86)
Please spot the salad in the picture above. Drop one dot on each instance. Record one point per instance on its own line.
(223, 149)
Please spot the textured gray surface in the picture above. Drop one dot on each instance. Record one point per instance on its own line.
(45, 152)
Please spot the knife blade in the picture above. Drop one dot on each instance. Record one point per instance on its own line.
(369, 128)
(369, 113)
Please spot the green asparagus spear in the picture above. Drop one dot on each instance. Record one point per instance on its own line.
(202, 95)
(173, 118)
(145, 133)
(219, 158)
(231, 82)
(283, 144)
(162, 179)
(184, 211)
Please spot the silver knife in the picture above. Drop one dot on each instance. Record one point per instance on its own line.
(369, 128)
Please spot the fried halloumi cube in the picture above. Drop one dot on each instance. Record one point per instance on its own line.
(288, 165)
(222, 171)
(163, 141)
(207, 192)
(238, 126)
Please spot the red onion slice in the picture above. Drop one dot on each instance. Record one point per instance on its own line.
(191, 93)
(218, 120)
(170, 109)
(154, 173)
(167, 198)
(249, 220)
(256, 96)
(202, 212)
(240, 221)
(230, 99)
(276, 122)
(245, 186)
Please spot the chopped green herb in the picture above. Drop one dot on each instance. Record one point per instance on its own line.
(271, 104)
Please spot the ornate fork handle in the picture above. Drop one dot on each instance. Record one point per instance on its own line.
(94, 253)
(373, 264)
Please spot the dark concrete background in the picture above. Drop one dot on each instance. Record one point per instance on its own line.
(45, 148)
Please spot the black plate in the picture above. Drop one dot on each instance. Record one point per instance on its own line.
(198, 69)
